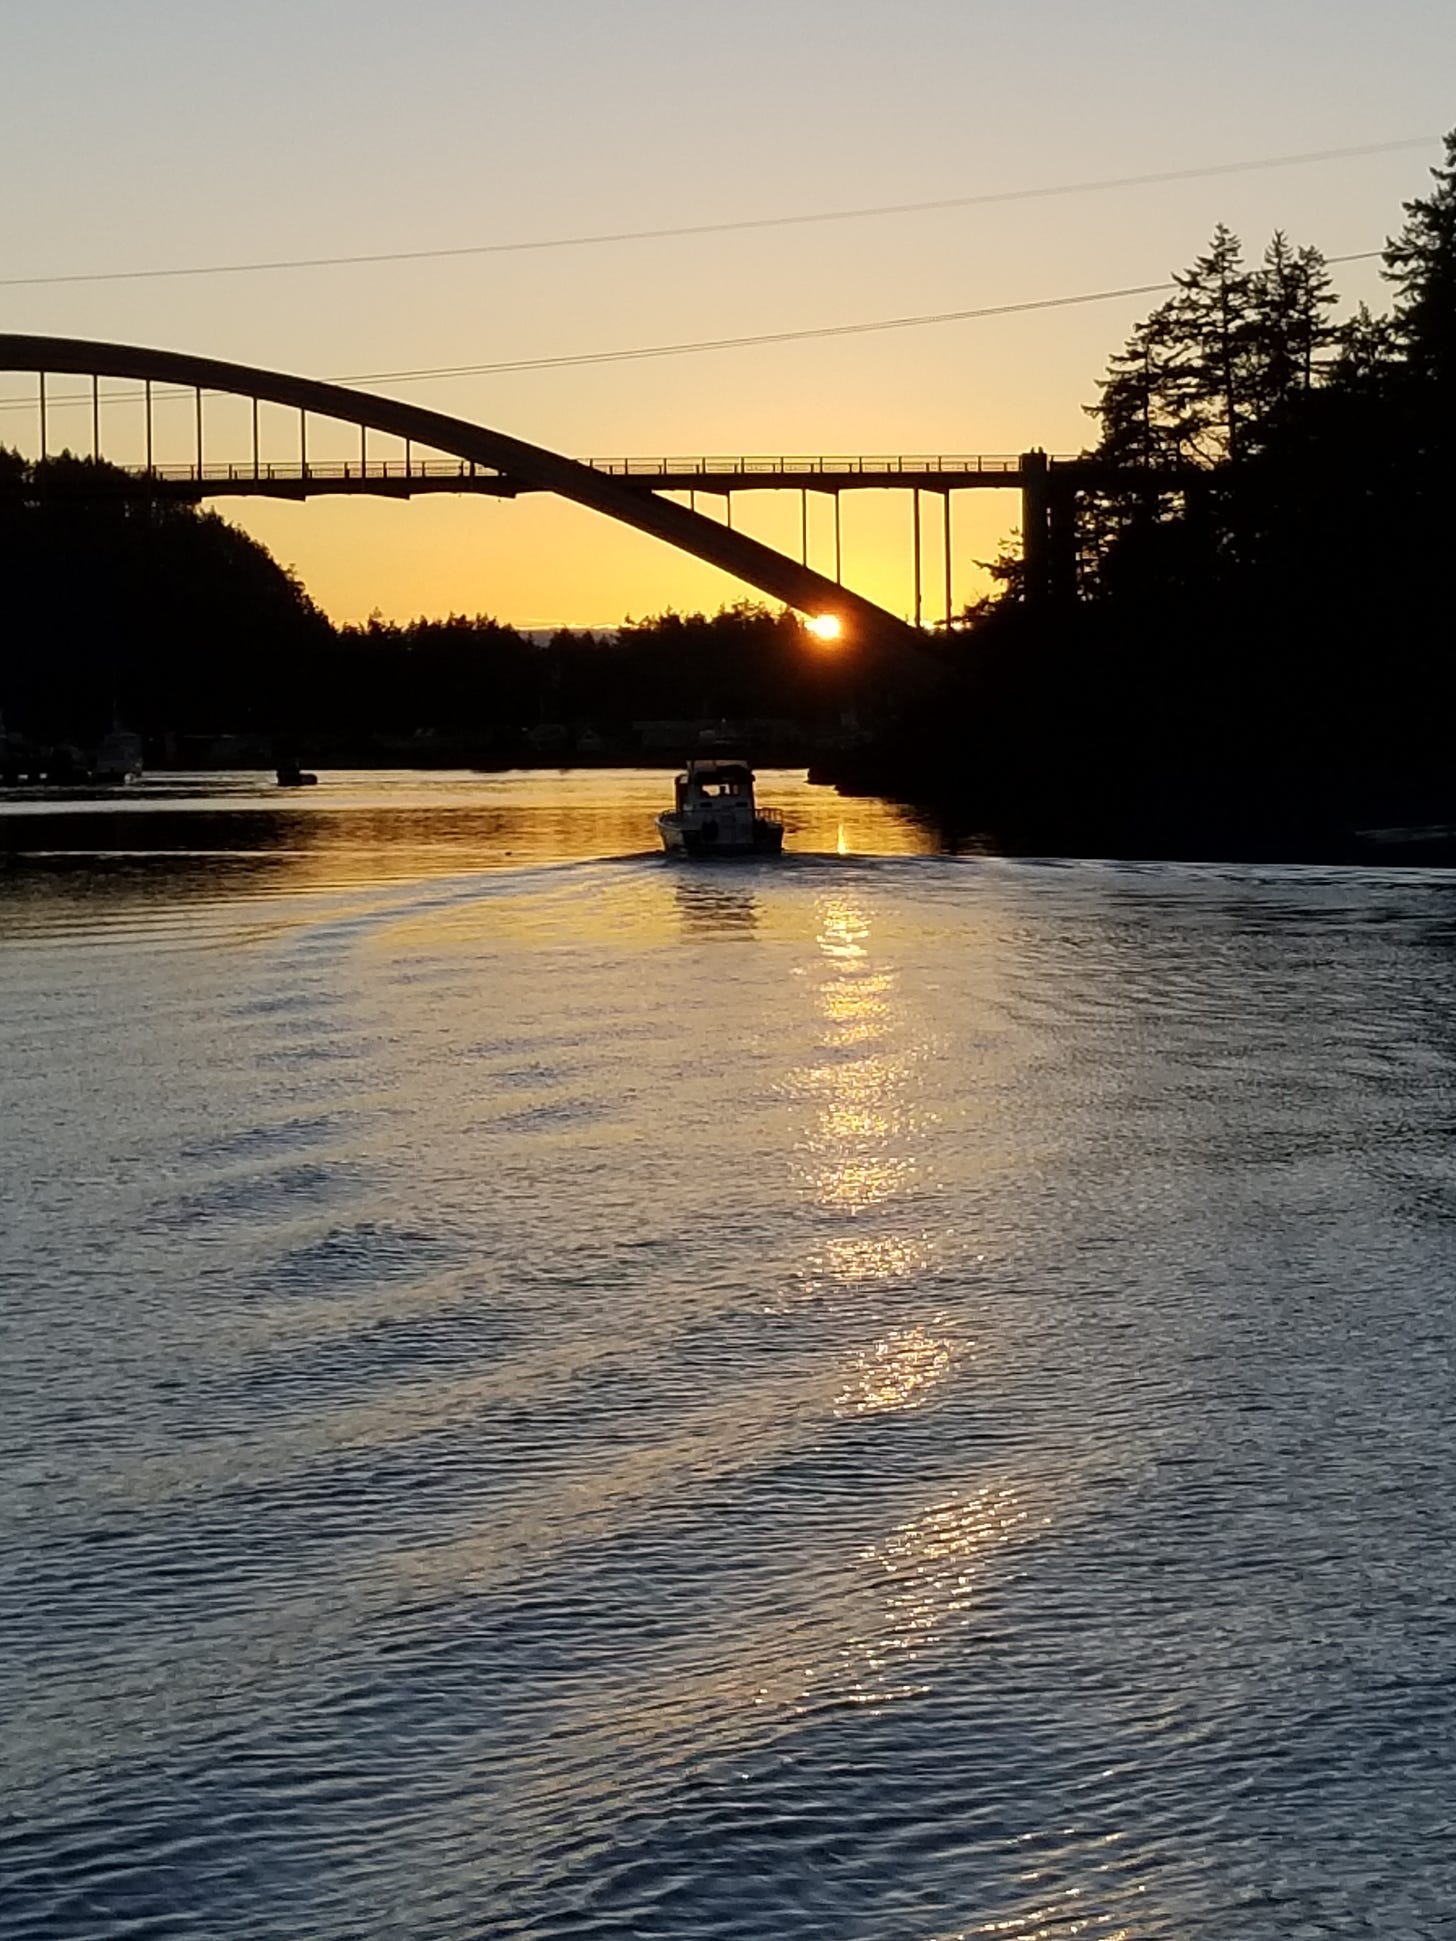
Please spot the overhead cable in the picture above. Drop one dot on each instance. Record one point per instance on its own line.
(578, 359)
(600, 239)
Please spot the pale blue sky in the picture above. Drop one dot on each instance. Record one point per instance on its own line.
(143, 134)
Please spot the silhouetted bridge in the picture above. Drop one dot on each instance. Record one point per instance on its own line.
(632, 490)
(400, 477)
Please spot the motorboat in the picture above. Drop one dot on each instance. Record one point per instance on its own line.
(716, 815)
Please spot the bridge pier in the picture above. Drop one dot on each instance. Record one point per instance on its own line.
(1035, 492)
(1048, 532)
(919, 603)
(945, 517)
(1062, 541)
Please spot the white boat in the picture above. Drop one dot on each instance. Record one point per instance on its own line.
(715, 813)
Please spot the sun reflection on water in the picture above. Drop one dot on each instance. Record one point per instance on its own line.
(858, 1007)
(862, 1105)
(921, 1576)
(898, 1372)
(930, 1563)
(868, 1262)
(873, 1257)
(844, 925)
(1058, 1920)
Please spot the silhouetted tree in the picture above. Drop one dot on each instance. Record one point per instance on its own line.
(1146, 412)
(1367, 355)
(1421, 262)
(1214, 323)
(1288, 336)
(1264, 635)
(152, 611)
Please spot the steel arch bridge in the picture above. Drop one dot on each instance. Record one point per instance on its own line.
(518, 465)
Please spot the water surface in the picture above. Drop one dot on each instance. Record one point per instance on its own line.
(549, 1393)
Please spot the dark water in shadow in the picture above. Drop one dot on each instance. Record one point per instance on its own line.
(555, 1394)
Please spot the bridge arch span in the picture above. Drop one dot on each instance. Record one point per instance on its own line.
(749, 560)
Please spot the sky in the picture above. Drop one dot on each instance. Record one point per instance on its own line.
(181, 134)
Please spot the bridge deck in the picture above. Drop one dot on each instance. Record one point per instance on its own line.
(403, 478)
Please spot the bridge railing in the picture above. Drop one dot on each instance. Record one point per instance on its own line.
(344, 468)
(745, 466)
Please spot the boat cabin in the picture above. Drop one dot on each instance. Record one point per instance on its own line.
(716, 783)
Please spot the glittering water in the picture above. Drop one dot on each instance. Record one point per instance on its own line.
(548, 1393)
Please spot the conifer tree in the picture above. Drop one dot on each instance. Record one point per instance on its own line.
(1214, 315)
(1289, 334)
(1198, 378)
(1367, 352)
(1142, 410)
(1421, 263)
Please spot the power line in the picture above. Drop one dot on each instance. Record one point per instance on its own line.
(643, 351)
(788, 336)
(575, 360)
(606, 237)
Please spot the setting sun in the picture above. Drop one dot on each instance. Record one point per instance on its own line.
(824, 626)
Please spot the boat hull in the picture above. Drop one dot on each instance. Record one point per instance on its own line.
(683, 838)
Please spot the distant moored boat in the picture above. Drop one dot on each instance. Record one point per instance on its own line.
(118, 757)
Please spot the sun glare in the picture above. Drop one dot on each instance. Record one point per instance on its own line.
(824, 626)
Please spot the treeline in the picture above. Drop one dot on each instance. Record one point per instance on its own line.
(478, 676)
(1262, 627)
(177, 625)
(152, 612)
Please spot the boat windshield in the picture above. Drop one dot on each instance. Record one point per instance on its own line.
(735, 775)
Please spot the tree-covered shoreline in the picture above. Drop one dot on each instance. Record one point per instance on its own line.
(1259, 654)
(179, 627)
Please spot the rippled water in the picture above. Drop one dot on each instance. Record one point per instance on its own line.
(549, 1393)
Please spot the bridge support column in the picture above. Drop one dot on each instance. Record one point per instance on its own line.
(919, 602)
(838, 571)
(1062, 541)
(1035, 492)
(946, 541)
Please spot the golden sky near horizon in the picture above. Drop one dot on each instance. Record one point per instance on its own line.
(164, 136)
